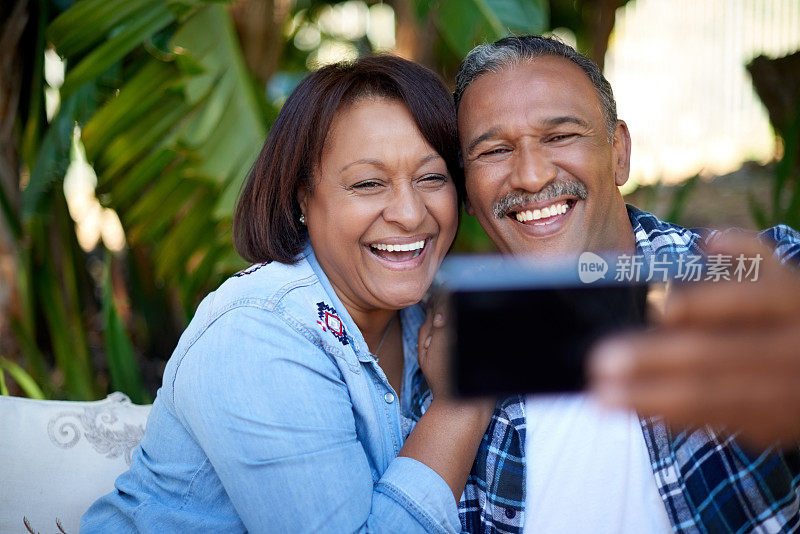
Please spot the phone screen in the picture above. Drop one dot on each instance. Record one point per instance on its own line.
(534, 340)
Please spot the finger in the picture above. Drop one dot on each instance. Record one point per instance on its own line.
(773, 297)
(440, 310)
(727, 378)
(424, 331)
(693, 352)
(735, 240)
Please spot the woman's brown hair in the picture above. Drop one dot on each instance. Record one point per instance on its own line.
(265, 223)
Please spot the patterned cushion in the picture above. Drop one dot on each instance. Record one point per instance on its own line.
(57, 457)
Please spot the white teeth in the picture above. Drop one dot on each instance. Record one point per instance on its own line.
(400, 248)
(550, 211)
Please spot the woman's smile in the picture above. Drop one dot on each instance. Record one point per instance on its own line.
(401, 253)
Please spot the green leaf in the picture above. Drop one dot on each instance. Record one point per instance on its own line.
(517, 16)
(150, 216)
(10, 214)
(132, 143)
(53, 157)
(186, 236)
(90, 21)
(23, 379)
(757, 212)
(104, 56)
(680, 198)
(227, 199)
(464, 24)
(36, 119)
(143, 92)
(122, 364)
(422, 8)
(124, 190)
(59, 299)
(788, 172)
(183, 127)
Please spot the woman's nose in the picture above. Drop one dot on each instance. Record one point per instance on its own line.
(405, 207)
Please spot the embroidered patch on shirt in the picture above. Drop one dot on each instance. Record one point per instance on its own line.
(251, 269)
(330, 322)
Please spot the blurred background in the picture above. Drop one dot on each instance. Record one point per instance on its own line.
(128, 126)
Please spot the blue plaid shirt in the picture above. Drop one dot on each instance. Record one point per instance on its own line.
(707, 482)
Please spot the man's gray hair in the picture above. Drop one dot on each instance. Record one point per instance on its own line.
(515, 49)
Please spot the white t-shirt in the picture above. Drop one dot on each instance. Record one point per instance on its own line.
(587, 470)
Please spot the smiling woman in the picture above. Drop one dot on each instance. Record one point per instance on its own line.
(294, 401)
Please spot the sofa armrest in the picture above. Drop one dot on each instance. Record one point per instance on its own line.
(58, 457)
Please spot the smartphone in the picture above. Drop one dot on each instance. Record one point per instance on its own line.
(526, 327)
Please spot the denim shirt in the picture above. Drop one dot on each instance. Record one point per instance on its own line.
(273, 416)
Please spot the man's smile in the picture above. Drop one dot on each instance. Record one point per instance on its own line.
(544, 215)
(544, 220)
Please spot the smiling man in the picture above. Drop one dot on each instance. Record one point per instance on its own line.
(544, 154)
(544, 160)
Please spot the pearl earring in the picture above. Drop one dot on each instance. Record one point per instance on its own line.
(302, 218)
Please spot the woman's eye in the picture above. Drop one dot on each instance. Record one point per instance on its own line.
(433, 179)
(367, 185)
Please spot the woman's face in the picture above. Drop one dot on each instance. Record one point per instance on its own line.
(382, 212)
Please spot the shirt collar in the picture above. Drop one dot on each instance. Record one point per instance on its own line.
(411, 317)
(656, 237)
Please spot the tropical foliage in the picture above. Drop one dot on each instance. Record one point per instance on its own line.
(170, 115)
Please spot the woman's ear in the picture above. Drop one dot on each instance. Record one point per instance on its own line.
(302, 198)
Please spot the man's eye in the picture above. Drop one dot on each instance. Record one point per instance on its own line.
(560, 137)
(495, 151)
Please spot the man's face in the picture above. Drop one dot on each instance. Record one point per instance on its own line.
(541, 173)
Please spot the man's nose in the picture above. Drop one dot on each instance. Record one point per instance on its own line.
(405, 207)
(532, 168)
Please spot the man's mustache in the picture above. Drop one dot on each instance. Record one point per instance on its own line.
(554, 189)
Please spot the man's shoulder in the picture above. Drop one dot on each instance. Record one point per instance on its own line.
(785, 241)
(655, 237)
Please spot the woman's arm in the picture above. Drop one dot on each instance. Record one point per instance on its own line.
(446, 439)
(448, 435)
(274, 415)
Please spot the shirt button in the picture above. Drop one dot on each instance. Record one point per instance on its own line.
(389, 398)
(510, 513)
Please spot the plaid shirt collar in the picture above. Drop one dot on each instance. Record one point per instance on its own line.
(707, 482)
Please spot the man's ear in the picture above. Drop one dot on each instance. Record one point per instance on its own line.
(622, 153)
